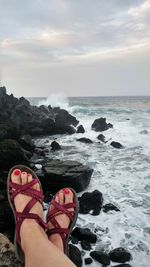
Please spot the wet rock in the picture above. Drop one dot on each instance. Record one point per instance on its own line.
(120, 255)
(91, 201)
(88, 261)
(58, 174)
(85, 140)
(74, 240)
(116, 144)
(110, 206)
(12, 154)
(75, 255)
(85, 245)
(84, 234)
(80, 129)
(100, 125)
(101, 137)
(26, 142)
(101, 257)
(6, 218)
(55, 146)
(18, 118)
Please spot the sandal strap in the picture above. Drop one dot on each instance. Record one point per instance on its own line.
(58, 210)
(21, 216)
(37, 196)
(61, 209)
(26, 189)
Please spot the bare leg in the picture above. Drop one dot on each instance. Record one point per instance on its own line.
(39, 251)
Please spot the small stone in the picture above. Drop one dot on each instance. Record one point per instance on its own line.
(110, 206)
(84, 234)
(88, 261)
(120, 255)
(74, 241)
(85, 245)
(85, 140)
(80, 129)
(116, 144)
(101, 257)
(55, 146)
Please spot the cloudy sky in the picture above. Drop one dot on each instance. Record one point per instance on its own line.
(75, 47)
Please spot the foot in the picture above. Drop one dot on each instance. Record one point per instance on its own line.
(21, 200)
(63, 197)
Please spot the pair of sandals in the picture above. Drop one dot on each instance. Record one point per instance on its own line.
(13, 189)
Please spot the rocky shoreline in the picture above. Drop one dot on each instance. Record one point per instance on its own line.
(19, 124)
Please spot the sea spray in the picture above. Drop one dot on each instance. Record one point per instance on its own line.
(55, 100)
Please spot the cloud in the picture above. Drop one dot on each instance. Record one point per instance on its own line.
(40, 34)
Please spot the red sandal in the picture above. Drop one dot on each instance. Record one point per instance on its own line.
(63, 209)
(13, 190)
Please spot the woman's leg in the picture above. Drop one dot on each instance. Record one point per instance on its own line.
(38, 250)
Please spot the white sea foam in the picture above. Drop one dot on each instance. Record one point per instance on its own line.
(123, 176)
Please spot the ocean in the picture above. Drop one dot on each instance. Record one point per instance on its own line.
(123, 176)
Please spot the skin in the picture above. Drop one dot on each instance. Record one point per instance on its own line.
(38, 249)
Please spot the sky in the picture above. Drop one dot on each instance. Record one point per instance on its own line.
(75, 47)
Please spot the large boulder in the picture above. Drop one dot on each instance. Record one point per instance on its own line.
(18, 117)
(100, 125)
(91, 201)
(57, 174)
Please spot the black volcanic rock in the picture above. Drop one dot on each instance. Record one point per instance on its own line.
(26, 142)
(18, 117)
(91, 201)
(85, 245)
(80, 129)
(101, 137)
(84, 234)
(11, 153)
(75, 255)
(85, 140)
(116, 144)
(100, 125)
(101, 257)
(88, 261)
(120, 255)
(110, 206)
(57, 174)
(55, 146)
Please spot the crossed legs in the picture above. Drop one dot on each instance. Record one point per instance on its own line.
(38, 249)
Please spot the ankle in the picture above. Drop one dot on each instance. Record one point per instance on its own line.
(57, 241)
(28, 231)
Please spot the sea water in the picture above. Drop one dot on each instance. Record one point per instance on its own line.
(122, 175)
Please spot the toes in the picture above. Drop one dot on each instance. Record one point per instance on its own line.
(61, 197)
(68, 195)
(16, 176)
(29, 177)
(24, 178)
